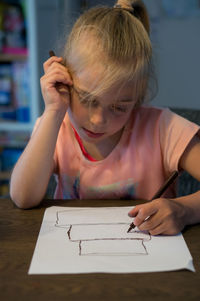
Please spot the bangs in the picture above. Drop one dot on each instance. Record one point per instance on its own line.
(87, 51)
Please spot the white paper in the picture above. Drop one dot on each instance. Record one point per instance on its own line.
(91, 240)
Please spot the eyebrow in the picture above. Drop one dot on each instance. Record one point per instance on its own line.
(79, 91)
(126, 100)
(83, 92)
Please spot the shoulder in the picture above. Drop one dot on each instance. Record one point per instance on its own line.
(163, 116)
(162, 123)
(151, 117)
(150, 113)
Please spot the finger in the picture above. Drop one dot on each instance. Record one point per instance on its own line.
(159, 229)
(51, 83)
(150, 223)
(57, 75)
(57, 65)
(62, 89)
(58, 69)
(50, 61)
(133, 212)
(145, 212)
(166, 228)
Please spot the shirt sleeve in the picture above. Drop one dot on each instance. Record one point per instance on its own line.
(176, 133)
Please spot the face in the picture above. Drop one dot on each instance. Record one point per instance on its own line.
(99, 118)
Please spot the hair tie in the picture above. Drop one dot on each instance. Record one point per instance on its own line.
(129, 9)
(117, 6)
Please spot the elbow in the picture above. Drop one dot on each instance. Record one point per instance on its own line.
(24, 194)
(23, 201)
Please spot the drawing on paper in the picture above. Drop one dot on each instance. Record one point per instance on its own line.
(99, 236)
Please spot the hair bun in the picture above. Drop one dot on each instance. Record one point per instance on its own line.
(125, 5)
(137, 9)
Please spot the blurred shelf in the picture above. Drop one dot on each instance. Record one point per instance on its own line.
(5, 175)
(15, 126)
(14, 135)
(12, 57)
(13, 144)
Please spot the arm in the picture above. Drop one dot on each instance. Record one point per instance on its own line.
(190, 161)
(170, 216)
(32, 172)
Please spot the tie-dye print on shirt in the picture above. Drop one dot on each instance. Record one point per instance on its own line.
(119, 190)
(70, 187)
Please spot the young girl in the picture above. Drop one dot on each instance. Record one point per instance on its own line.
(97, 135)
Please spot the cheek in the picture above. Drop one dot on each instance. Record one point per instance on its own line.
(77, 112)
(120, 121)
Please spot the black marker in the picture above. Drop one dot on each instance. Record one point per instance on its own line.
(51, 53)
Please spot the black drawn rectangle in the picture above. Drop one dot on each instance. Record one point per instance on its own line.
(110, 247)
(104, 231)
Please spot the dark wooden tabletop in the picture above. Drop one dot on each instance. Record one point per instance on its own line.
(18, 234)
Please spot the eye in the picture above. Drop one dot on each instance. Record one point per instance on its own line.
(118, 109)
(84, 100)
(88, 101)
(94, 103)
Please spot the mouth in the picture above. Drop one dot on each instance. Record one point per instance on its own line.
(92, 134)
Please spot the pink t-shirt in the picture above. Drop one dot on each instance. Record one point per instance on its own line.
(148, 152)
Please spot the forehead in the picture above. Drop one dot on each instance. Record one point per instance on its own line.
(92, 80)
(89, 77)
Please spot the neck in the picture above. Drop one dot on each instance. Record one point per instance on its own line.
(101, 150)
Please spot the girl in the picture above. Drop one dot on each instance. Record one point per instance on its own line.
(97, 135)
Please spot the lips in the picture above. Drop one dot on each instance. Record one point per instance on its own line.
(92, 134)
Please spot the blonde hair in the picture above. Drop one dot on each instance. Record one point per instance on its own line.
(117, 39)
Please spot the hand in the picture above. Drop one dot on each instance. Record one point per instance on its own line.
(160, 216)
(55, 85)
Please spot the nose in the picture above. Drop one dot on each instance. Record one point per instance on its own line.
(98, 116)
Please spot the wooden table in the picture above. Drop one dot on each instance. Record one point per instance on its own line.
(18, 234)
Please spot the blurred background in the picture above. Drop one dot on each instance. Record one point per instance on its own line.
(30, 28)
